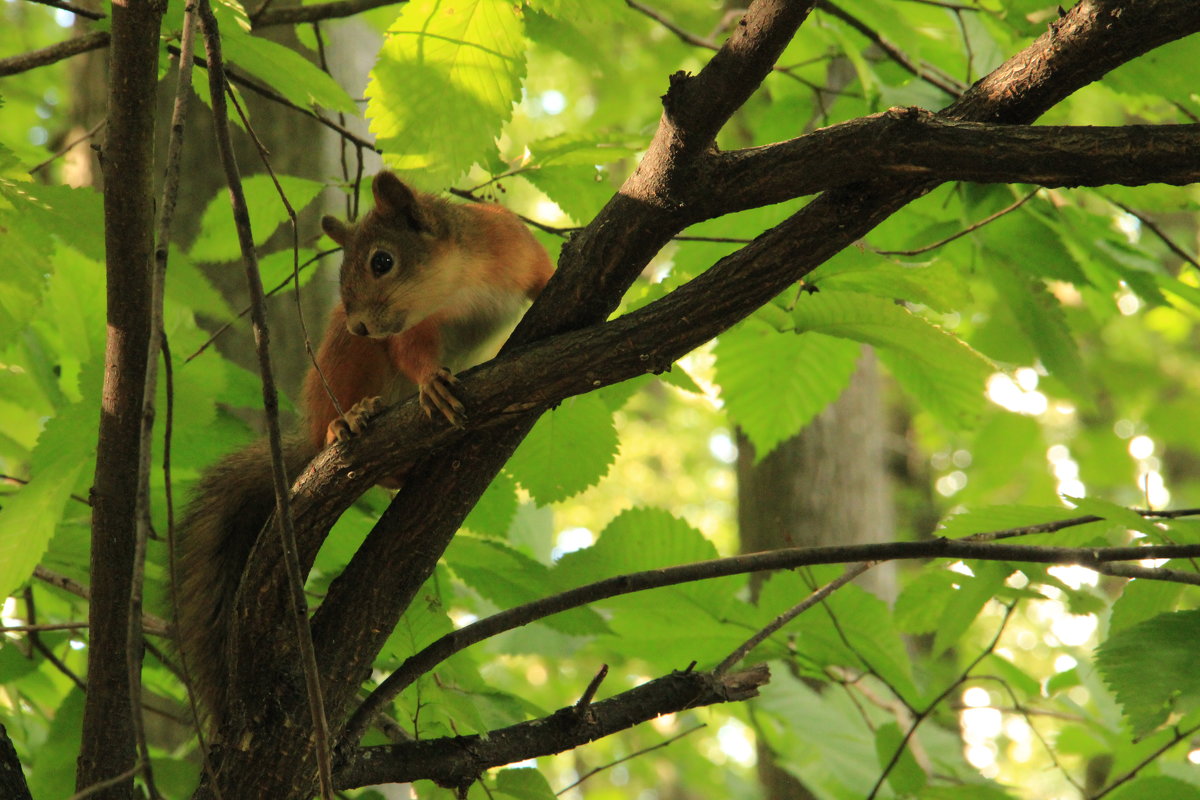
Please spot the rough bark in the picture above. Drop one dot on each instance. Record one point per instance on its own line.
(12, 777)
(108, 736)
(827, 485)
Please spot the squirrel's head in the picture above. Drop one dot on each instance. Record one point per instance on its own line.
(393, 275)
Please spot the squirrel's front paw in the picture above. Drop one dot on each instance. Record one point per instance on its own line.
(354, 421)
(438, 393)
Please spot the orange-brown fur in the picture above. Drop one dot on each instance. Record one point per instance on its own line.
(460, 275)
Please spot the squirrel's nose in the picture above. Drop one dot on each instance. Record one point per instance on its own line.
(359, 329)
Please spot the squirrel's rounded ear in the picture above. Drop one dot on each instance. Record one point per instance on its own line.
(395, 199)
(335, 229)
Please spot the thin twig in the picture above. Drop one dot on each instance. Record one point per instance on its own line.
(923, 714)
(1150, 757)
(187, 44)
(969, 229)
(151, 625)
(23, 482)
(597, 770)
(351, 199)
(294, 15)
(291, 212)
(1151, 573)
(100, 39)
(76, 10)
(685, 36)
(107, 783)
(48, 626)
(1154, 228)
(1058, 525)
(36, 642)
(1027, 715)
(66, 148)
(892, 51)
(279, 288)
(942, 4)
(280, 479)
(740, 652)
(968, 51)
(709, 43)
(158, 277)
(593, 686)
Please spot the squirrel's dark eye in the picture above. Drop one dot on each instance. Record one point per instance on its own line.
(382, 263)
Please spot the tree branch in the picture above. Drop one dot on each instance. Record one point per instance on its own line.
(456, 761)
(55, 52)
(859, 556)
(890, 50)
(664, 195)
(12, 777)
(108, 751)
(283, 518)
(292, 15)
(910, 142)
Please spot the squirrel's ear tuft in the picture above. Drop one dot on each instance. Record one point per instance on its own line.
(335, 229)
(393, 198)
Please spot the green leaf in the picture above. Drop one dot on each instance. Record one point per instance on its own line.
(1125, 517)
(921, 603)
(65, 452)
(466, 58)
(636, 539)
(587, 10)
(999, 518)
(508, 578)
(73, 216)
(525, 783)
(54, 772)
(691, 622)
(936, 284)
(218, 239)
(905, 776)
(938, 369)
(973, 594)
(496, 508)
(280, 268)
(569, 449)
(36, 221)
(1014, 676)
(424, 622)
(1156, 787)
(579, 191)
(1141, 600)
(973, 789)
(852, 628)
(582, 150)
(1151, 668)
(285, 71)
(774, 383)
(1041, 319)
(829, 750)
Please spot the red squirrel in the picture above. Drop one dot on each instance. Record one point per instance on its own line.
(426, 285)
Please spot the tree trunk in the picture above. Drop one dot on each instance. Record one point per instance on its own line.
(827, 485)
(108, 748)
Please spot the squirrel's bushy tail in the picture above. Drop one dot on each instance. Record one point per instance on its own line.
(230, 505)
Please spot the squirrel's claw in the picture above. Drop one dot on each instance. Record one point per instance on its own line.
(438, 394)
(354, 421)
